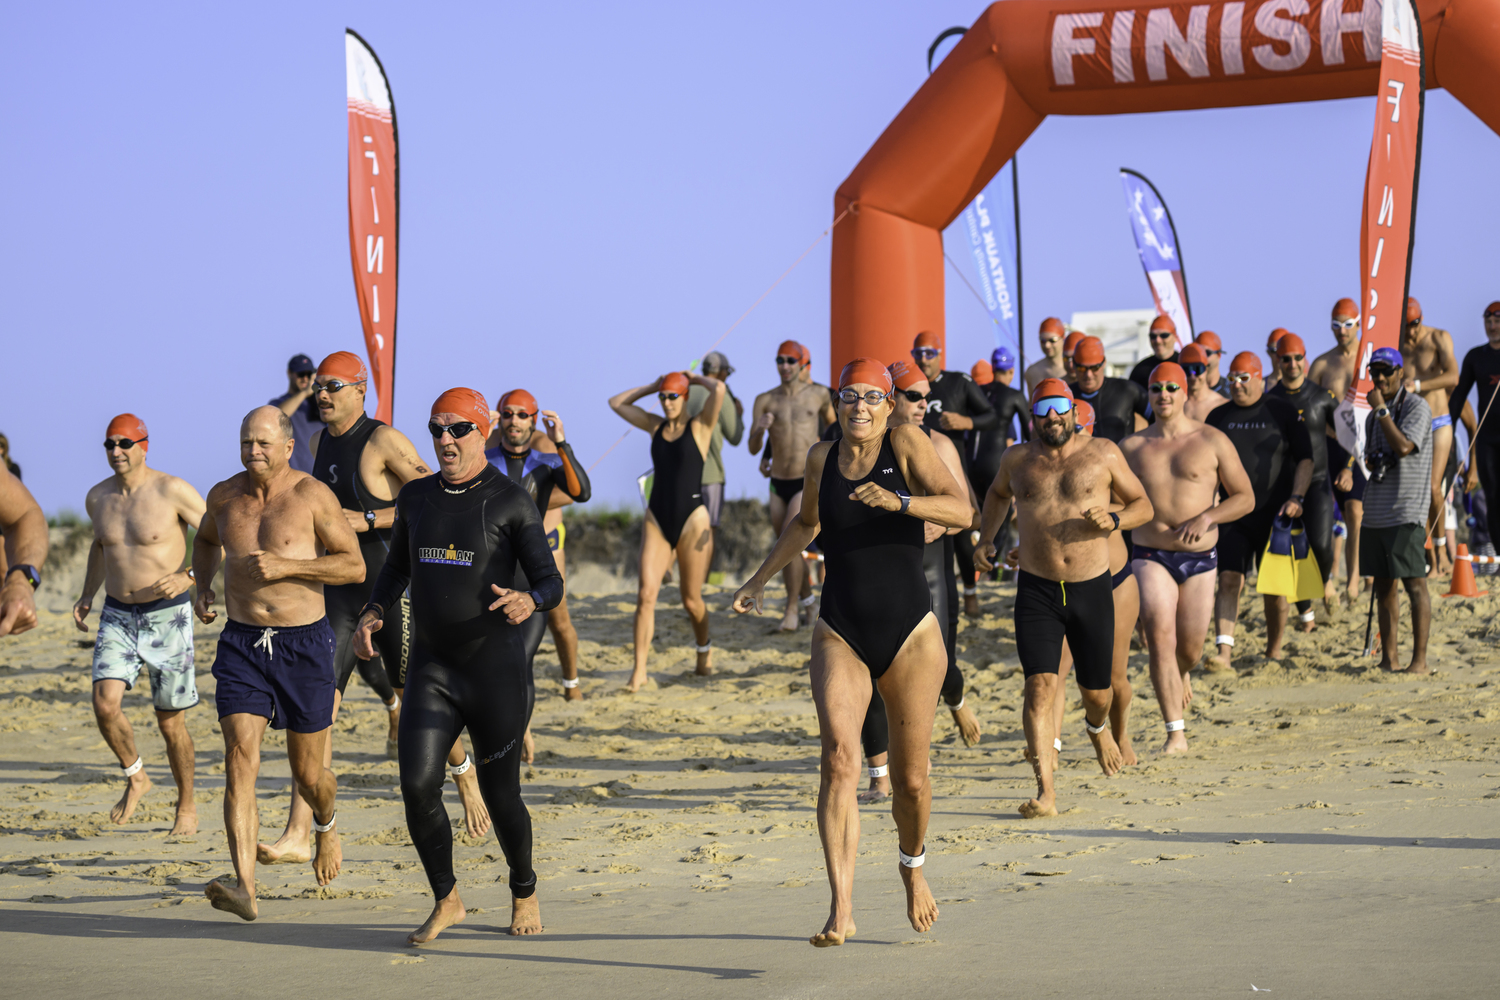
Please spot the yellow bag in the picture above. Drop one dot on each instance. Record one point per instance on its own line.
(1288, 568)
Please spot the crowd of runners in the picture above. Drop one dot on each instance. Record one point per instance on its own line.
(1127, 510)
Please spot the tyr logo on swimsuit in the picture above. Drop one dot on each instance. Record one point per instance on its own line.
(447, 557)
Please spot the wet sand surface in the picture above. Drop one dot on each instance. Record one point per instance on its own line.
(1333, 831)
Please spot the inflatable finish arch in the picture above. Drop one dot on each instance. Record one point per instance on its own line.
(1026, 59)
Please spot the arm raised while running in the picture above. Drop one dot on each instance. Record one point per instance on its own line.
(624, 404)
(795, 537)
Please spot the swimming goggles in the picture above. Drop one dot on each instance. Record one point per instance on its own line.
(913, 396)
(782, 359)
(1345, 324)
(851, 396)
(1051, 404)
(1287, 359)
(1194, 369)
(516, 414)
(1235, 378)
(458, 430)
(664, 396)
(925, 353)
(124, 444)
(1165, 387)
(333, 385)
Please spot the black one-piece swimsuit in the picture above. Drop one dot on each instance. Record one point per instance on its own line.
(874, 592)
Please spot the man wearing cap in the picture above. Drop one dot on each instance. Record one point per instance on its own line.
(1480, 371)
(24, 531)
(731, 428)
(1315, 407)
(275, 657)
(1334, 371)
(1163, 338)
(1061, 483)
(1050, 335)
(1276, 452)
(986, 447)
(1181, 464)
(1201, 399)
(1070, 344)
(1272, 339)
(1213, 354)
(1431, 371)
(1398, 453)
(1119, 404)
(298, 404)
(141, 519)
(794, 414)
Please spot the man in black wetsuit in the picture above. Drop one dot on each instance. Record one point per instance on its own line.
(955, 406)
(1213, 353)
(1163, 336)
(1481, 370)
(986, 447)
(1276, 452)
(1315, 405)
(458, 541)
(1119, 404)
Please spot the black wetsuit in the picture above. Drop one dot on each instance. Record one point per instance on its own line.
(469, 664)
(986, 447)
(337, 467)
(1270, 440)
(677, 481)
(1115, 404)
(1481, 370)
(957, 393)
(1141, 373)
(1315, 405)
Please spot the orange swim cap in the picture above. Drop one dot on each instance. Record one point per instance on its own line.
(1275, 338)
(1209, 341)
(346, 367)
(1052, 326)
(1089, 351)
(1192, 354)
(1168, 371)
(1413, 311)
(866, 371)
(1291, 344)
(1163, 322)
(792, 349)
(1070, 342)
(674, 382)
(904, 374)
(983, 373)
(1048, 387)
(128, 425)
(519, 398)
(929, 340)
(1493, 309)
(1083, 418)
(1345, 309)
(1246, 361)
(466, 403)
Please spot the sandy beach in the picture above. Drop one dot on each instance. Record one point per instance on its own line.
(1333, 832)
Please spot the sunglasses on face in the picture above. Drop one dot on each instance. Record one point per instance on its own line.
(1381, 371)
(1211, 353)
(1160, 387)
(925, 353)
(782, 359)
(1345, 324)
(851, 396)
(1237, 377)
(124, 444)
(1052, 404)
(913, 396)
(1087, 368)
(516, 415)
(1287, 359)
(1194, 369)
(664, 396)
(456, 430)
(1162, 336)
(333, 385)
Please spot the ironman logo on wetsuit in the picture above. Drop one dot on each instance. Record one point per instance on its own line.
(447, 557)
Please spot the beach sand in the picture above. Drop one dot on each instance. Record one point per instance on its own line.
(1333, 832)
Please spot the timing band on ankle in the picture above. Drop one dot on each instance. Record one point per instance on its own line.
(1176, 727)
(881, 771)
(961, 700)
(462, 768)
(133, 768)
(570, 682)
(1095, 730)
(393, 706)
(909, 861)
(970, 591)
(1224, 640)
(706, 646)
(808, 601)
(1057, 743)
(324, 827)
(1307, 615)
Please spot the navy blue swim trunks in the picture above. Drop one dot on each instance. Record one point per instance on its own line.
(1180, 565)
(286, 675)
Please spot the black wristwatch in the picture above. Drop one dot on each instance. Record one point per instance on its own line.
(535, 599)
(1299, 498)
(370, 519)
(905, 501)
(1116, 516)
(32, 576)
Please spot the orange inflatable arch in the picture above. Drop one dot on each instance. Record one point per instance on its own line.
(1026, 59)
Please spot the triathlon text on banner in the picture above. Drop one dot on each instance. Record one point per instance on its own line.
(1156, 240)
(989, 224)
(1390, 207)
(374, 211)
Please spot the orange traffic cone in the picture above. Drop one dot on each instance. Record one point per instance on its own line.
(1463, 576)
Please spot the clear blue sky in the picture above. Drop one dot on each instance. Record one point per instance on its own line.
(589, 199)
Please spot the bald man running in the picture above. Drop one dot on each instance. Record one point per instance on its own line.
(1431, 372)
(1181, 463)
(1051, 336)
(1334, 371)
(1201, 398)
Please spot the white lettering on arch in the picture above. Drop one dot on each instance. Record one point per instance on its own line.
(1282, 29)
(1190, 51)
(1065, 46)
(1337, 23)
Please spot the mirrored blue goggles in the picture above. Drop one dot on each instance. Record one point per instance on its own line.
(1051, 404)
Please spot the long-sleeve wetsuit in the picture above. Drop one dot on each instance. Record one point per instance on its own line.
(1481, 370)
(1315, 406)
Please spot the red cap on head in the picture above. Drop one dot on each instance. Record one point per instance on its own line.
(1209, 341)
(1274, 338)
(1345, 309)
(674, 382)
(1291, 344)
(466, 403)
(1083, 416)
(521, 399)
(1161, 323)
(792, 349)
(1089, 351)
(1192, 354)
(904, 374)
(866, 371)
(1070, 342)
(128, 425)
(1052, 326)
(344, 366)
(1413, 311)
(926, 339)
(1246, 361)
(1050, 387)
(1169, 371)
(983, 372)
(1493, 309)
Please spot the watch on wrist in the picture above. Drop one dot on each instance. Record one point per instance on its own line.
(1299, 499)
(370, 519)
(536, 598)
(1382, 412)
(32, 576)
(1116, 516)
(905, 498)
(190, 574)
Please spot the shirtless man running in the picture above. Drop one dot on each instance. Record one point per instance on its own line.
(1051, 337)
(1431, 372)
(141, 518)
(1334, 370)
(1201, 398)
(1180, 462)
(275, 661)
(795, 413)
(1061, 483)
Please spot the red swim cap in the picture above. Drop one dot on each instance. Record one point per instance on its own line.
(1192, 354)
(1345, 309)
(1052, 326)
(345, 367)
(1209, 341)
(983, 372)
(1168, 371)
(1163, 322)
(466, 403)
(1291, 344)
(1413, 311)
(128, 425)
(1246, 361)
(674, 382)
(792, 349)
(1083, 416)
(1048, 387)
(1088, 351)
(866, 371)
(1493, 309)
(926, 339)
(519, 398)
(1275, 338)
(1070, 342)
(904, 374)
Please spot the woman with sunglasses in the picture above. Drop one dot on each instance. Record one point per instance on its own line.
(676, 519)
(869, 494)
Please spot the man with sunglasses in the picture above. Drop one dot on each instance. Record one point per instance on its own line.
(1431, 371)
(1315, 406)
(1181, 464)
(1163, 338)
(24, 531)
(1119, 404)
(1481, 372)
(299, 404)
(1334, 371)
(1276, 452)
(1272, 339)
(1213, 354)
(794, 414)
(141, 519)
(1201, 399)
(1050, 335)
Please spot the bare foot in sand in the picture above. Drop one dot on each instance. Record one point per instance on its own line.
(1220, 663)
(525, 915)
(186, 823)
(330, 857)
(136, 786)
(1176, 743)
(705, 666)
(1303, 626)
(1187, 689)
(636, 682)
(840, 928)
(921, 908)
(792, 620)
(1389, 666)
(1110, 758)
(448, 911)
(528, 747)
(1045, 805)
(292, 847)
(231, 900)
(879, 791)
(476, 816)
(1417, 667)
(1127, 752)
(572, 693)
(967, 723)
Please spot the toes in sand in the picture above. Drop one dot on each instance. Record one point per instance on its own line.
(448, 911)
(1037, 808)
(968, 725)
(1110, 758)
(525, 915)
(136, 786)
(290, 849)
(840, 928)
(186, 822)
(921, 908)
(330, 857)
(231, 900)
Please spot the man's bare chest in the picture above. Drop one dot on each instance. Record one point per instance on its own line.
(247, 524)
(140, 519)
